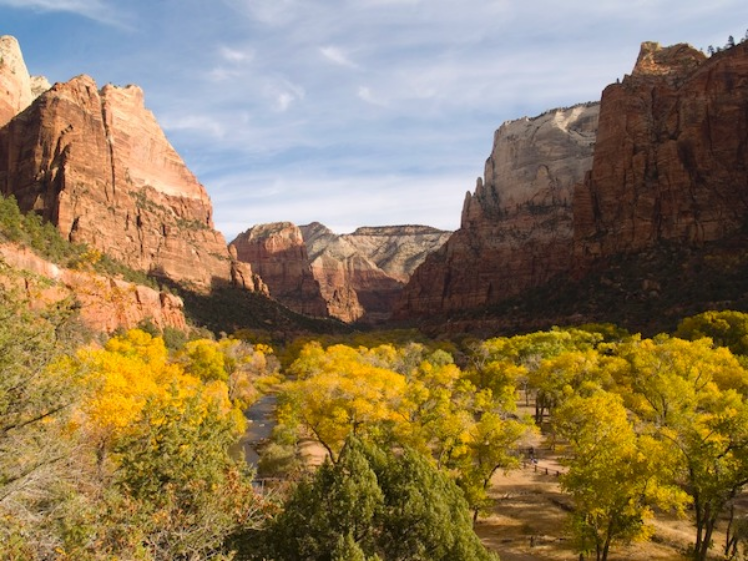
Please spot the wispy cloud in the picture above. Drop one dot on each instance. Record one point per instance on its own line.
(365, 94)
(98, 10)
(337, 56)
(236, 56)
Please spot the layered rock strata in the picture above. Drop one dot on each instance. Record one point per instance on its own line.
(276, 252)
(671, 161)
(106, 304)
(362, 274)
(517, 227)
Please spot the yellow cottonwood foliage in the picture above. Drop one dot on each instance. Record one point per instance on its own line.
(339, 391)
(129, 371)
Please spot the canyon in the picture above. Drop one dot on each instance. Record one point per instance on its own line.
(566, 196)
(351, 277)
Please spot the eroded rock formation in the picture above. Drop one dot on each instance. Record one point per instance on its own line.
(517, 227)
(352, 277)
(106, 304)
(362, 274)
(670, 166)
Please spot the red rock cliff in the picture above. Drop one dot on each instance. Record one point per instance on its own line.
(276, 252)
(97, 164)
(671, 161)
(517, 227)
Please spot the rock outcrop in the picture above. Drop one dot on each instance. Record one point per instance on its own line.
(517, 227)
(671, 161)
(276, 252)
(106, 304)
(96, 163)
(362, 274)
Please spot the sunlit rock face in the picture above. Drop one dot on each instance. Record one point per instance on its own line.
(17, 88)
(276, 252)
(96, 163)
(352, 277)
(517, 226)
(361, 274)
(671, 161)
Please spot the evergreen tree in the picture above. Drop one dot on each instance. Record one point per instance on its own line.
(372, 504)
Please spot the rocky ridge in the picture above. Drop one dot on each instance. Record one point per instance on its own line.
(352, 277)
(361, 274)
(96, 163)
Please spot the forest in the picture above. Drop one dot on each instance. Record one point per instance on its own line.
(128, 446)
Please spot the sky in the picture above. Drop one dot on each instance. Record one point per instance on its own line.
(350, 112)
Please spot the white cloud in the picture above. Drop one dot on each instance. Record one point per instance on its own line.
(268, 12)
(284, 100)
(200, 123)
(337, 56)
(236, 55)
(365, 94)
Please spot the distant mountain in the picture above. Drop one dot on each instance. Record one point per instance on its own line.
(352, 277)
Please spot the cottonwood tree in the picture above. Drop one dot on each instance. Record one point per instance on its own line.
(694, 398)
(615, 476)
(338, 392)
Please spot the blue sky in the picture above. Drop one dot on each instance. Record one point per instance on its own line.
(350, 112)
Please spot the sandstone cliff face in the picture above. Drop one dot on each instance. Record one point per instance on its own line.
(671, 161)
(106, 304)
(362, 274)
(352, 277)
(276, 252)
(517, 227)
(97, 164)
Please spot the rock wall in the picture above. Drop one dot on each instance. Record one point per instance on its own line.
(96, 163)
(671, 161)
(276, 252)
(106, 304)
(517, 227)
(352, 277)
